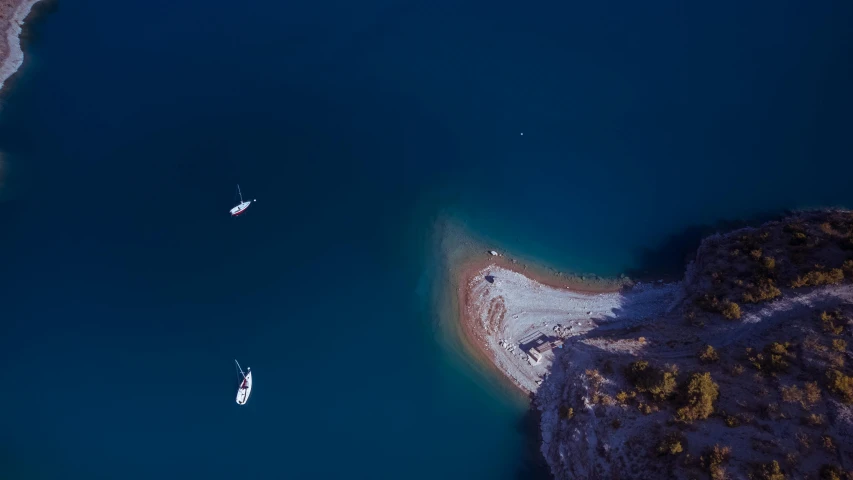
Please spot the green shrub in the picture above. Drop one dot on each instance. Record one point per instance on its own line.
(566, 412)
(723, 305)
(701, 394)
(658, 383)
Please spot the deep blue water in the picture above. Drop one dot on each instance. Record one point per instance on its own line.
(127, 290)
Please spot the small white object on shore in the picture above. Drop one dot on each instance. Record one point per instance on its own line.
(494, 253)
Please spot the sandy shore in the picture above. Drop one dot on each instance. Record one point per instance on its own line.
(12, 16)
(504, 305)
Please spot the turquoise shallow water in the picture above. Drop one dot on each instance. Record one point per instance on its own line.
(127, 290)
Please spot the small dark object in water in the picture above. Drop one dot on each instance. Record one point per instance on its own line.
(490, 278)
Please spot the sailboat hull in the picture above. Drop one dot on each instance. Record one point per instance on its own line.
(245, 389)
(239, 209)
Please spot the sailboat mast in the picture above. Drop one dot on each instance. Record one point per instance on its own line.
(240, 193)
(238, 368)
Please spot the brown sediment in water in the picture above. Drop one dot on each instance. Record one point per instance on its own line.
(13, 13)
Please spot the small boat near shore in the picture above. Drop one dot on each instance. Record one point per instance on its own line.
(245, 388)
(242, 206)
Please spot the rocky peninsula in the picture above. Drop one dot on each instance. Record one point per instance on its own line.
(740, 370)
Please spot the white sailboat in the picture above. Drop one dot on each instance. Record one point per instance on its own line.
(242, 206)
(245, 385)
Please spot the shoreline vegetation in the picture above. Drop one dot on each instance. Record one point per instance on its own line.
(13, 14)
(737, 369)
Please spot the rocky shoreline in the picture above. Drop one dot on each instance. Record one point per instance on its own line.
(12, 16)
(575, 349)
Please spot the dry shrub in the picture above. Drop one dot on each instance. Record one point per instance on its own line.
(818, 277)
(792, 394)
(736, 369)
(713, 459)
(805, 440)
(731, 310)
(812, 393)
(833, 472)
(799, 238)
(772, 360)
(814, 420)
(827, 443)
(566, 412)
(671, 444)
(841, 385)
(832, 322)
(812, 344)
(731, 421)
(709, 355)
(762, 290)
(770, 411)
(594, 381)
(839, 345)
(836, 359)
(767, 471)
(792, 459)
